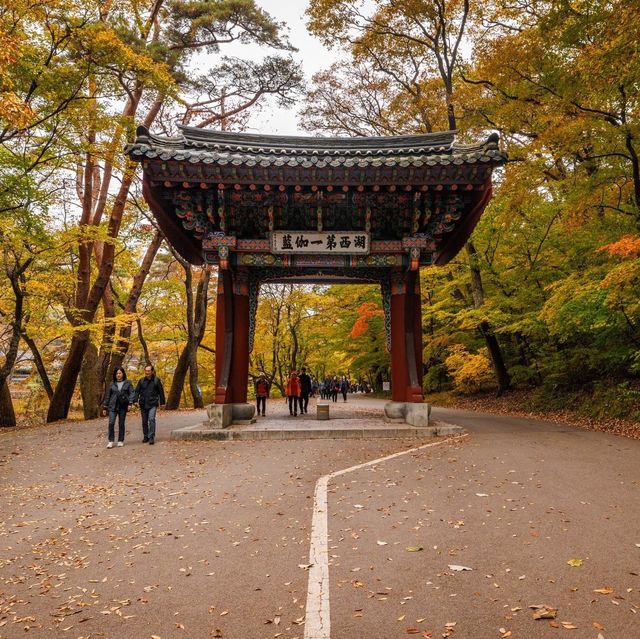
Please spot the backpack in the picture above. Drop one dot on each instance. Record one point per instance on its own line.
(262, 389)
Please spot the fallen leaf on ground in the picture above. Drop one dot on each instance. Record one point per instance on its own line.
(381, 543)
(575, 563)
(541, 611)
(459, 568)
(414, 548)
(604, 591)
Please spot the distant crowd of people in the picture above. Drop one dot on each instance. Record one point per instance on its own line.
(300, 387)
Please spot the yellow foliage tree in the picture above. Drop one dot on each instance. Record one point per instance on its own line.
(471, 372)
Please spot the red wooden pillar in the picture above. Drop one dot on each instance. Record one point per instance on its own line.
(232, 337)
(224, 336)
(240, 360)
(415, 393)
(406, 338)
(399, 369)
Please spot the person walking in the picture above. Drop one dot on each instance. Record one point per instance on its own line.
(344, 388)
(116, 404)
(262, 392)
(335, 388)
(293, 393)
(305, 390)
(149, 394)
(326, 388)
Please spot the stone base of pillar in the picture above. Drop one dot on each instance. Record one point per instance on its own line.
(244, 413)
(411, 413)
(224, 415)
(418, 414)
(394, 412)
(220, 415)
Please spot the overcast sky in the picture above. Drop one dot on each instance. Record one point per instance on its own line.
(311, 54)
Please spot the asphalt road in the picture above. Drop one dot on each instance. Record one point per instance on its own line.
(211, 539)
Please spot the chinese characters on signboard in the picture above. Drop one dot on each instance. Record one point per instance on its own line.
(320, 242)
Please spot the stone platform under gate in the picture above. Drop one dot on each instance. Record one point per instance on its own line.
(358, 418)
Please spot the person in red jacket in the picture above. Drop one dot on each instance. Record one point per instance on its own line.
(262, 392)
(293, 393)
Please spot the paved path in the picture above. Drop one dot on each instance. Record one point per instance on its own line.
(206, 539)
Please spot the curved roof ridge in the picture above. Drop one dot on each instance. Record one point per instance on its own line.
(201, 145)
(276, 142)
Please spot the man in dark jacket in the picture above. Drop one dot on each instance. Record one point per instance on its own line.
(305, 390)
(150, 394)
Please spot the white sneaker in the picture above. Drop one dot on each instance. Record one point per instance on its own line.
(110, 445)
(120, 444)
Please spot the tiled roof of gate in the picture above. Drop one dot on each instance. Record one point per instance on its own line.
(205, 146)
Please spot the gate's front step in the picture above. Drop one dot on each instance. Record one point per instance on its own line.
(198, 432)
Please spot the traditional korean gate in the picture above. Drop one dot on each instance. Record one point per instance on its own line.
(271, 208)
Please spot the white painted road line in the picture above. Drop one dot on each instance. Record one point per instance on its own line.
(318, 618)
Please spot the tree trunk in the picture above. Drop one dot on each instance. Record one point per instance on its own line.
(16, 277)
(40, 367)
(88, 296)
(377, 384)
(143, 343)
(7, 414)
(177, 383)
(90, 382)
(495, 352)
(124, 333)
(196, 314)
(196, 393)
(61, 400)
(95, 381)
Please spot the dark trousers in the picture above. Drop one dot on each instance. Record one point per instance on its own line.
(304, 403)
(334, 396)
(263, 401)
(121, 414)
(344, 395)
(149, 422)
(293, 404)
